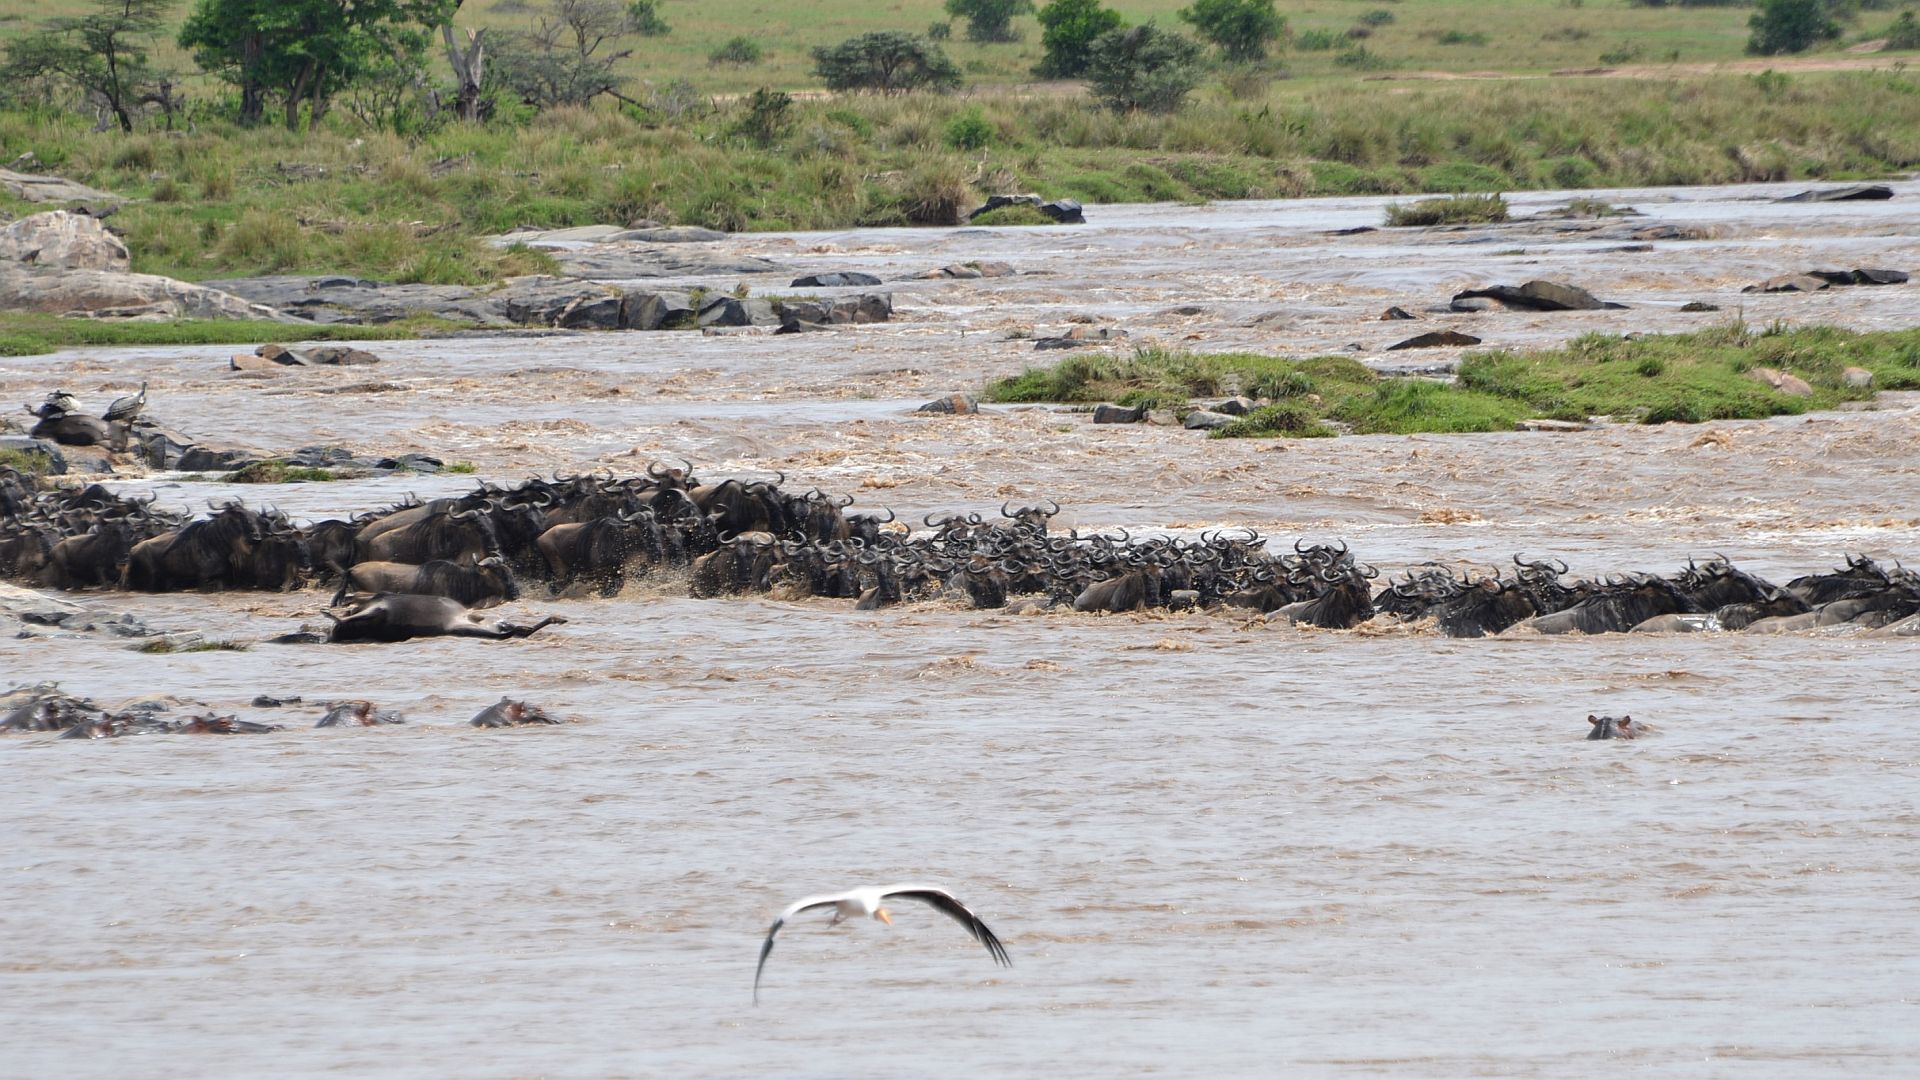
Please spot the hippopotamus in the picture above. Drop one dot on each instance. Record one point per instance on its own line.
(391, 617)
(137, 723)
(509, 713)
(1608, 727)
(358, 714)
(49, 710)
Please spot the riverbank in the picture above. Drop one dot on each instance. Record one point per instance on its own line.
(228, 203)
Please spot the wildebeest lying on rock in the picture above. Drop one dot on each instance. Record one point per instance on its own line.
(510, 713)
(392, 617)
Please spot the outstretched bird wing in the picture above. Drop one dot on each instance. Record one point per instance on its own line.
(805, 903)
(942, 900)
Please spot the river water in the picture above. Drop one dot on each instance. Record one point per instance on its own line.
(1211, 847)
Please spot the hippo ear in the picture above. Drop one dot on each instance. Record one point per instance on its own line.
(1626, 719)
(1592, 719)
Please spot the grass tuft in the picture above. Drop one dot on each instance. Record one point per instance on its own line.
(1452, 210)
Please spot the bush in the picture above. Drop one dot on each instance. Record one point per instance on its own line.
(1456, 37)
(939, 31)
(1068, 29)
(1377, 17)
(885, 60)
(767, 117)
(1361, 58)
(1904, 33)
(644, 18)
(1317, 40)
(740, 50)
(969, 130)
(1790, 26)
(989, 20)
(1452, 210)
(1143, 68)
(1283, 420)
(1241, 28)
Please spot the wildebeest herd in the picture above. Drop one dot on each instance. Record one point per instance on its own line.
(416, 569)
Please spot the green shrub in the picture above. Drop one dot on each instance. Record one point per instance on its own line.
(1242, 29)
(1452, 210)
(1377, 17)
(1317, 40)
(885, 60)
(737, 50)
(1143, 68)
(1361, 58)
(1067, 32)
(1790, 26)
(1283, 420)
(1904, 33)
(1460, 37)
(968, 131)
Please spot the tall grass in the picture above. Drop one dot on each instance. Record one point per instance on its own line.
(222, 201)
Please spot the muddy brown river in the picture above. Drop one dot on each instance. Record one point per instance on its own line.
(1212, 847)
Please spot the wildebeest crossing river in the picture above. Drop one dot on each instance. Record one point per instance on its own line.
(1212, 843)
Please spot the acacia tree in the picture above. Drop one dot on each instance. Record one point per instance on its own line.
(104, 54)
(989, 20)
(305, 51)
(1068, 28)
(569, 54)
(885, 60)
(1143, 68)
(1241, 28)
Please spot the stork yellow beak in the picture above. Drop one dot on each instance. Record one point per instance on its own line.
(883, 915)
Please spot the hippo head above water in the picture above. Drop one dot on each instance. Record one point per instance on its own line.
(1608, 727)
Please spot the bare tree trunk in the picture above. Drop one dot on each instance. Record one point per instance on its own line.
(469, 69)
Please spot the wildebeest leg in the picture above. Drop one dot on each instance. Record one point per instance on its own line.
(509, 630)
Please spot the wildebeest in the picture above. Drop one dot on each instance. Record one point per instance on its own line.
(235, 548)
(1608, 727)
(1485, 607)
(484, 584)
(47, 709)
(602, 551)
(445, 533)
(510, 713)
(1131, 591)
(75, 429)
(1616, 607)
(392, 617)
(1343, 603)
(143, 723)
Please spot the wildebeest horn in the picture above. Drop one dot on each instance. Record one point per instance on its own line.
(1003, 509)
(1297, 549)
(1563, 567)
(1055, 510)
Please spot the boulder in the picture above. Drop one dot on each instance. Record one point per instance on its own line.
(1550, 425)
(838, 279)
(63, 241)
(218, 459)
(540, 300)
(420, 463)
(163, 449)
(601, 312)
(1236, 406)
(338, 356)
(1081, 335)
(828, 311)
(1434, 339)
(801, 326)
(732, 311)
(1394, 314)
(1789, 283)
(31, 288)
(41, 189)
(1535, 296)
(1114, 414)
(250, 362)
(1844, 194)
(654, 310)
(89, 460)
(1862, 276)
(56, 460)
(1206, 420)
(1790, 385)
(952, 405)
(336, 299)
(1699, 305)
(1857, 377)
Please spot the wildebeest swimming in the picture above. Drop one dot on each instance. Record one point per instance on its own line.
(735, 537)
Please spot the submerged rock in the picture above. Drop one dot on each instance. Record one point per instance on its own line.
(1534, 296)
(1205, 420)
(1062, 211)
(1434, 339)
(835, 280)
(1115, 414)
(1845, 194)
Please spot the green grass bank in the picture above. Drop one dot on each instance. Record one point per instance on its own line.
(31, 333)
(222, 201)
(1694, 377)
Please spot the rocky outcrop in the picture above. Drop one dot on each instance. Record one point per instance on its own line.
(836, 280)
(1815, 280)
(1791, 385)
(104, 293)
(1844, 194)
(839, 310)
(43, 189)
(1062, 211)
(1433, 340)
(1079, 336)
(1532, 296)
(969, 270)
(1115, 414)
(63, 241)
